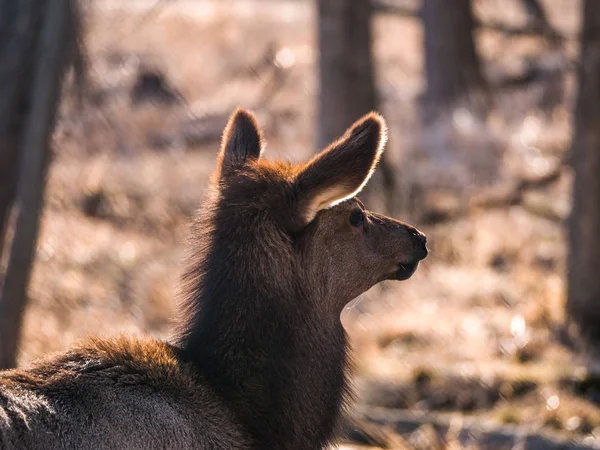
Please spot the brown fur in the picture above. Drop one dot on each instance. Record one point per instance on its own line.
(259, 357)
(119, 394)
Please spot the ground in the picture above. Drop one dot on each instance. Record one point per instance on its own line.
(476, 336)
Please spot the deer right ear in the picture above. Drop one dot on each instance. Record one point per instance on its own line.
(341, 171)
(242, 142)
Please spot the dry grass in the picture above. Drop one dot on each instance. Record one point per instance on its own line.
(474, 331)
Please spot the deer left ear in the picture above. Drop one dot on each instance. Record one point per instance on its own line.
(341, 171)
(242, 142)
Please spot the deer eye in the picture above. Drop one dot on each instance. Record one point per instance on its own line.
(357, 218)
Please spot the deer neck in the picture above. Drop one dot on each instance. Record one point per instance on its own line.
(268, 352)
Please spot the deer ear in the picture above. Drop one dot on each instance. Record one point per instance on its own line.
(341, 170)
(242, 141)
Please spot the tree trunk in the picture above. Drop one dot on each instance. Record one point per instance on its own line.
(583, 303)
(347, 76)
(17, 20)
(452, 67)
(36, 46)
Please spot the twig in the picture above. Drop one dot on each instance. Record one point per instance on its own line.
(387, 7)
(516, 196)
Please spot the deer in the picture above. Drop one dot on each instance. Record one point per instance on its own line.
(258, 357)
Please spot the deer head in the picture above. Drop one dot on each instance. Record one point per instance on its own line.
(303, 223)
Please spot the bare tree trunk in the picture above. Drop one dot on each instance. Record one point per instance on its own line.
(17, 19)
(346, 66)
(8, 181)
(452, 66)
(347, 75)
(45, 29)
(583, 303)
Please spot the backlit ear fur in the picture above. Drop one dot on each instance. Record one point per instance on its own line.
(242, 142)
(341, 170)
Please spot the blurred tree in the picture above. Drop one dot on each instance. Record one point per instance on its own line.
(347, 79)
(452, 66)
(36, 37)
(583, 302)
(537, 17)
